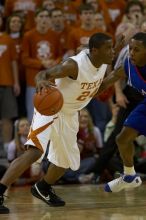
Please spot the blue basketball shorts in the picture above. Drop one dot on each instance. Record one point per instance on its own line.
(137, 118)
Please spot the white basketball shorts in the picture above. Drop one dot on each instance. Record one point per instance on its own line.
(61, 129)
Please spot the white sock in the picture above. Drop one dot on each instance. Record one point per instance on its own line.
(129, 170)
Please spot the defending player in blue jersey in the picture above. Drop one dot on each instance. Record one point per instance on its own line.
(135, 69)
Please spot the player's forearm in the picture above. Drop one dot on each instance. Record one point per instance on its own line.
(110, 80)
(107, 82)
(50, 74)
(118, 87)
(55, 72)
(68, 68)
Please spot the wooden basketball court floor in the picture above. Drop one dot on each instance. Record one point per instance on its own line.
(83, 202)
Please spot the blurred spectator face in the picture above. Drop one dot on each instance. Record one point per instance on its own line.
(143, 26)
(23, 127)
(99, 21)
(15, 24)
(135, 11)
(57, 18)
(48, 4)
(84, 118)
(87, 17)
(94, 4)
(126, 29)
(43, 20)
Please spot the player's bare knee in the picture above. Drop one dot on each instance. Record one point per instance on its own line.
(35, 153)
(32, 154)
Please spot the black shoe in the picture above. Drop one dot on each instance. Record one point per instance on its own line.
(3, 209)
(50, 197)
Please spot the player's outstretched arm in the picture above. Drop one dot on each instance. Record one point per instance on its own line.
(111, 79)
(67, 69)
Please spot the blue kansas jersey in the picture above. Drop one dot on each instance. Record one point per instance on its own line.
(134, 77)
(137, 118)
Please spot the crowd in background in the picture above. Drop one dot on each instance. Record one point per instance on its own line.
(38, 34)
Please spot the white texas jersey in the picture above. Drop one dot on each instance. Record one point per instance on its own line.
(78, 93)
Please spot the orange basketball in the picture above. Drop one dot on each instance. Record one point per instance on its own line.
(49, 101)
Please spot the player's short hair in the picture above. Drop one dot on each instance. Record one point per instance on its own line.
(98, 39)
(140, 36)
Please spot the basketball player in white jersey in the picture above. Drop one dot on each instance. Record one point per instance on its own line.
(78, 78)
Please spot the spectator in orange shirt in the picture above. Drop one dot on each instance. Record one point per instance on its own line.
(14, 28)
(70, 10)
(60, 28)
(80, 35)
(27, 9)
(39, 51)
(9, 84)
(100, 22)
(134, 13)
(113, 11)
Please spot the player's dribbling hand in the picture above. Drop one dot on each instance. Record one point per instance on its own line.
(42, 82)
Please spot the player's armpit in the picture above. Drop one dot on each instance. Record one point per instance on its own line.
(111, 79)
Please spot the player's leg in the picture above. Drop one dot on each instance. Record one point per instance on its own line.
(20, 164)
(126, 147)
(134, 125)
(63, 153)
(37, 143)
(53, 174)
(110, 146)
(16, 168)
(43, 188)
(29, 101)
(125, 142)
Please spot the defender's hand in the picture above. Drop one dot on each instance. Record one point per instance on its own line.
(121, 100)
(120, 43)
